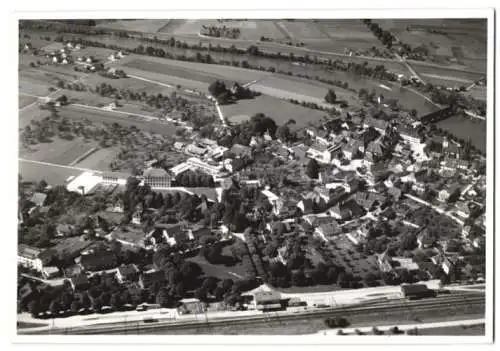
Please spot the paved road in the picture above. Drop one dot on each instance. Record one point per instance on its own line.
(437, 209)
(404, 327)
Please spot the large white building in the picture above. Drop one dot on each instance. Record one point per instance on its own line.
(28, 257)
(157, 178)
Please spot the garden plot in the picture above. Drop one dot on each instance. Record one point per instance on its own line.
(99, 160)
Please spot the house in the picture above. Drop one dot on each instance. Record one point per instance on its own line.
(30, 257)
(376, 151)
(339, 213)
(274, 200)
(79, 282)
(267, 300)
(353, 149)
(445, 194)
(240, 151)
(300, 152)
(157, 178)
(326, 230)
(172, 234)
(50, 272)
(369, 199)
(322, 153)
(196, 150)
(395, 193)
(98, 260)
(127, 273)
(479, 242)
(447, 266)
(425, 240)
(38, 199)
(64, 230)
(462, 209)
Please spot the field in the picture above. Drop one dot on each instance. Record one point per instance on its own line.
(192, 70)
(250, 29)
(279, 110)
(462, 39)
(286, 87)
(52, 174)
(465, 128)
(59, 151)
(459, 331)
(100, 116)
(344, 33)
(98, 160)
(146, 25)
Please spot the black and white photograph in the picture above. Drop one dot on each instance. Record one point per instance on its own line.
(322, 177)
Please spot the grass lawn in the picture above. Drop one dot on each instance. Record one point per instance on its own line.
(99, 160)
(235, 272)
(281, 111)
(59, 151)
(51, 174)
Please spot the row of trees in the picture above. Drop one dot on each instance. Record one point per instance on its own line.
(224, 95)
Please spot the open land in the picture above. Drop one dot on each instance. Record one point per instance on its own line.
(279, 110)
(98, 160)
(146, 25)
(59, 151)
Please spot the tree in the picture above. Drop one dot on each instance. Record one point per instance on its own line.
(331, 97)
(312, 170)
(201, 293)
(34, 308)
(75, 306)
(163, 297)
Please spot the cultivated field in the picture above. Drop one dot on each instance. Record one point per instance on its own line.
(59, 151)
(250, 29)
(145, 25)
(344, 33)
(98, 160)
(192, 70)
(465, 128)
(462, 39)
(279, 110)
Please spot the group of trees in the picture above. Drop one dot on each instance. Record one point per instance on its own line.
(384, 36)
(220, 31)
(194, 179)
(224, 95)
(242, 133)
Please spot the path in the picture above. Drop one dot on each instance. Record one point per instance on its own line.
(60, 166)
(467, 322)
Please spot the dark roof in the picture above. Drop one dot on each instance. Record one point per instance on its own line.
(149, 278)
(128, 270)
(99, 260)
(155, 173)
(414, 289)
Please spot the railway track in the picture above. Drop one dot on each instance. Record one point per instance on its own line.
(442, 304)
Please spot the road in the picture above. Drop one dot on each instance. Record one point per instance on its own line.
(404, 327)
(440, 306)
(435, 208)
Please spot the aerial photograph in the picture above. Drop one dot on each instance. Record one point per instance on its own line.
(252, 177)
